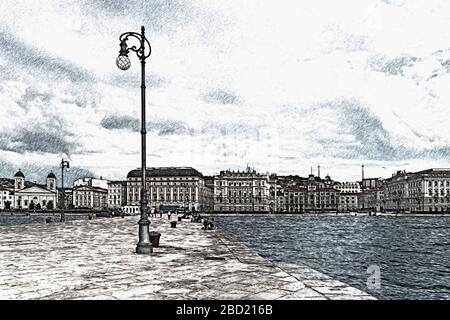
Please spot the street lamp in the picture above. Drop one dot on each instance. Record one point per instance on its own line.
(123, 62)
(63, 164)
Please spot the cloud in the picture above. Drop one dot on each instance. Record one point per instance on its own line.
(393, 66)
(221, 96)
(162, 127)
(371, 140)
(32, 94)
(38, 139)
(133, 80)
(37, 60)
(120, 122)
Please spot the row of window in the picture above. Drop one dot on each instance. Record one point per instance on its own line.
(310, 202)
(164, 179)
(249, 201)
(247, 208)
(136, 197)
(162, 190)
(241, 184)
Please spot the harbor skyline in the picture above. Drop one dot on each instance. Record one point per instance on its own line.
(281, 87)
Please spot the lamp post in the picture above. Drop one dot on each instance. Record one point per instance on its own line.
(123, 62)
(63, 164)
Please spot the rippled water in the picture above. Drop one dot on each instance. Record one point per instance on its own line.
(413, 253)
(8, 220)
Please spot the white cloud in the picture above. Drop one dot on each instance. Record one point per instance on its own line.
(260, 82)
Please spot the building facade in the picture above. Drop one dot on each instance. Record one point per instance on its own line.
(372, 200)
(423, 191)
(88, 197)
(348, 187)
(241, 191)
(292, 199)
(29, 195)
(170, 188)
(348, 201)
(6, 197)
(312, 194)
(117, 194)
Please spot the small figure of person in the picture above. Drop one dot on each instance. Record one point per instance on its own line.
(211, 224)
(205, 224)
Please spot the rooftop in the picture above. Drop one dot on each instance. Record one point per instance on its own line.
(165, 172)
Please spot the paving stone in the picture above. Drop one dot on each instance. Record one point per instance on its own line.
(74, 260)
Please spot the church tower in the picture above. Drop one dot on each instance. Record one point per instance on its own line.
(19, 180)
(51, 182)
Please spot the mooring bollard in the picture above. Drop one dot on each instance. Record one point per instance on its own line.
(154, 238)
(48, 220)
(173, 224)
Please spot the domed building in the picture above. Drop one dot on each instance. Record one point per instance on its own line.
(29, 195)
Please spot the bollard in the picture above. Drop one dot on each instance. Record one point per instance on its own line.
(154, 238)
(173, 224)
(179, 218)
(48, 220)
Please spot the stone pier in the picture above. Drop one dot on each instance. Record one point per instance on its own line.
(96, 259)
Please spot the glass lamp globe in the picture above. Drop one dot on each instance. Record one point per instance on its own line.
(123, 62)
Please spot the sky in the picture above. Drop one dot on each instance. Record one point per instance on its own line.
(281, 86)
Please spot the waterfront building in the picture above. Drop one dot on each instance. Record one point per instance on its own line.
(348, 202)
(312, 194)
(274, 189)
(321, 195)
(292, 199)
(170, 188)
(6, 197)
(28, 195)
(372, 200)
(348, 195)
(348, 187)
(241, 191)
(423, 191)
(117, 194)
(89, 197)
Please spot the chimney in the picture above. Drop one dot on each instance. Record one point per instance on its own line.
(362, 172)
(318, 171)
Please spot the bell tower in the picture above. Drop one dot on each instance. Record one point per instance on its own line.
(19, 180)
(51, 182)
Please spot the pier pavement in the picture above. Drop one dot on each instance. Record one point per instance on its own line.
(96, 259)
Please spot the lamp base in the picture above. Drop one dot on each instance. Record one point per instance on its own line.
(144, 248)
